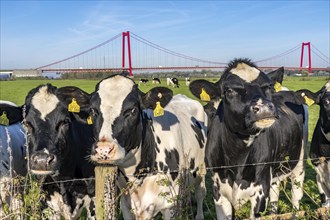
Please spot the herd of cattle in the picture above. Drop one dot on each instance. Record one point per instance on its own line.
(251, 134)
(170, 81)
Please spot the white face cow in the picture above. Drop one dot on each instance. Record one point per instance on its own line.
(118, 104)
(147, 148)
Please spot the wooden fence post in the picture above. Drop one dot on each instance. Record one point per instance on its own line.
(105, 192)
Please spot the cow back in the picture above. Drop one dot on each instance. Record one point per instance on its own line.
(12, 150)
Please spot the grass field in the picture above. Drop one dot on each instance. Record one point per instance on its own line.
(16, 92)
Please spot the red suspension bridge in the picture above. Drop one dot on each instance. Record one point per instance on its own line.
(130, 52)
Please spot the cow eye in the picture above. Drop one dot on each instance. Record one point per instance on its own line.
(62, 123)
(326, 101)
(229, 92)
(130, 112)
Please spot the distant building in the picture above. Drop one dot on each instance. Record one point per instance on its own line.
(27, 73)
(6, 75)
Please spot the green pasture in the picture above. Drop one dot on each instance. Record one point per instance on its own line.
(17, 90)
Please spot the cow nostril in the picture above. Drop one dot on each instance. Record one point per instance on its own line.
(50, 159)
(255, 109)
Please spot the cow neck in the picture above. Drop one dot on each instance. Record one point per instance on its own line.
(143, 158)
(325, 134)
(69, 158)
(237, 139)
(246, 139)
(76, 151)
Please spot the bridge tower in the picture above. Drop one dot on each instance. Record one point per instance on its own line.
(308, 44)
(124, 36)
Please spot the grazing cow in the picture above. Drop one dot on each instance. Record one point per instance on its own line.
(12, 156)
(253, 129)
(144, 81)
(320, 145)
(172, 82)
(58, 147)
(156, 81)
(149, 149)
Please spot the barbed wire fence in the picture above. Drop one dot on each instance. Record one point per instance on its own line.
(183, 207)
(24, 194)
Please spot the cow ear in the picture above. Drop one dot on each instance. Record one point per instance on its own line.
(310, 98)
(74, 97)
(204, 90)
(10, 114)
(77, 102)
(277, 75)
(157, 95)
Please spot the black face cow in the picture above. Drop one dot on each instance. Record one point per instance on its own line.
(149, 146)
(320, 145)
(12, 157)
(252, 125)
(58, 147)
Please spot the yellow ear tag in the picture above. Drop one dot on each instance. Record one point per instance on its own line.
(204, 96)
(73, 106)
(308, 101)
(3, 119)
(277, 87)
(158, 111)
(89, 120)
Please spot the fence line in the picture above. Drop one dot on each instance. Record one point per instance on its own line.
(321, 159)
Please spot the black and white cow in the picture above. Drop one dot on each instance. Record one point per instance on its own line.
(156, 81)
(253, 128)
(143, 81)
(172, 82)
(58, 148)
(320, 145)
(149, 149)
(12, 156)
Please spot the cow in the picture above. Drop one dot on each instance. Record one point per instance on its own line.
(143, 81)
(12, 157)
(150, 137)
(256, 139)
(320, 145)
(172, 82)
(156, 81)
(58, 146)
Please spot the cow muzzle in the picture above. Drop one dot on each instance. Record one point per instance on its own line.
(105, 152)
(263, 113)
(43, 163)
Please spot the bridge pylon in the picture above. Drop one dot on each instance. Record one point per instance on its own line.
(124, 36)
(308, 44)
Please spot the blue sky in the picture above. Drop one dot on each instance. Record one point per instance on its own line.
(35, 33)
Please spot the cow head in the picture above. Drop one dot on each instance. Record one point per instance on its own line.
(322, 98)
(246, 94)
(47, 122)
(117, 106)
